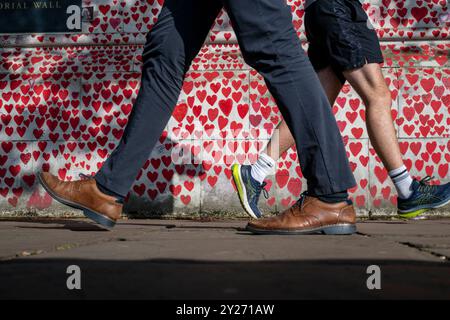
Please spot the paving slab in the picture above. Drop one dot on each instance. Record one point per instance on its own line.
(431, 236)
(24, 237)
(176, 259)
(439, 227)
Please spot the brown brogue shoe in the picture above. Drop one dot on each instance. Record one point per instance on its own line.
(84, 195)
(309, 215)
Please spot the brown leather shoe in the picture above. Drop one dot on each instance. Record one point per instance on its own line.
(84, 195)
(309, 215)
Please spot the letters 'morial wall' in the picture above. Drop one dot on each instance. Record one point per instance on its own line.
(19, 16)
(65, 99)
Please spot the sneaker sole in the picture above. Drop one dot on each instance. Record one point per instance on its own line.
(242, 192)
(417, 212)
(95, 216)
(336, 229)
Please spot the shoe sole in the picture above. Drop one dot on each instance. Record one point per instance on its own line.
(95, 216)
(335, 229)
(242, 192)
(417, 212)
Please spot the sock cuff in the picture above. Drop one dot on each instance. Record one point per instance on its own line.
(264, 166)
(267, 159)
(397, 171)
(402, 181)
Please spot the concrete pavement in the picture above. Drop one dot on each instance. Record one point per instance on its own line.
(179, 259)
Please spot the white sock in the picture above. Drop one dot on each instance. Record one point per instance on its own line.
(264, 166)
(402, 181)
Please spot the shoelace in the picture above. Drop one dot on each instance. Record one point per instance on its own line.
(299, 202)
(262, 188)
(85, 176)
(424, 184)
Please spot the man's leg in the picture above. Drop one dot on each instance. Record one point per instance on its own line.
(171, 45)
(270, 44)
(369, 83)
(414, 197)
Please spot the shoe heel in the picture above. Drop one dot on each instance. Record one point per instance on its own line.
(102, 220)
(340, 229)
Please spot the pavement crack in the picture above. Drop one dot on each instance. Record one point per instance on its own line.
(418, 247)
(425, 249)
(363, 234)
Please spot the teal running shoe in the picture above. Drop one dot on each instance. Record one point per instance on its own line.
(248, 189)
(423, 198)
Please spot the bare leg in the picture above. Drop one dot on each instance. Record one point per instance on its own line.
(282, 139)
(369, 83)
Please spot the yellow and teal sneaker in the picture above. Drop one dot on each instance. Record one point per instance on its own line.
(423, 198)
(248, 189)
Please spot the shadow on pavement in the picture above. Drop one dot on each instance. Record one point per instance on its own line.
(37, 278)
(86, 225)
(69, 224)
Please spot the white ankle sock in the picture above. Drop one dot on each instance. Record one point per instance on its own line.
(264, 166)
(402, 181)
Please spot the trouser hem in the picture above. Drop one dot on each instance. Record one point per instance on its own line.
(106, 183)
(326, 190)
